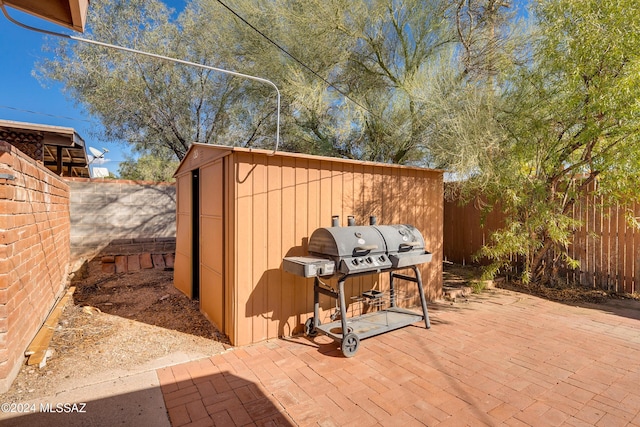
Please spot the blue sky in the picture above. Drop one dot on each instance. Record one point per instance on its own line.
(24, 99)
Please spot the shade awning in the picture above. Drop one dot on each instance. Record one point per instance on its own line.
(69, 13)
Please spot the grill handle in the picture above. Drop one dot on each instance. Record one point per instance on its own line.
(409, 244)
(364, 248)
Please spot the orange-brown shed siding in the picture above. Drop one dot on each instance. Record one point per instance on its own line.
(272, 204)
(182, 276)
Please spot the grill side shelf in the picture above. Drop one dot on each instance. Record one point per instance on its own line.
(306, 266)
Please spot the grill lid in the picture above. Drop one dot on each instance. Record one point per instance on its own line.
(401, 238)
(405, 245)
(344, 242)
(355, 249)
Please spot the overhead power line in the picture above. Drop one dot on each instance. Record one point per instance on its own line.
(46, 114)
(290, 55)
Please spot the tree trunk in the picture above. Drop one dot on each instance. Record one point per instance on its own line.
(538, 267)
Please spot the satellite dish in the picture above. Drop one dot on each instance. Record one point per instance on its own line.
(97, 154)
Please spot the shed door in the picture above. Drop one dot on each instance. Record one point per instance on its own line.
(212, 242)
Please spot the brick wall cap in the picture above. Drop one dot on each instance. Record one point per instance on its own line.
(117, 181)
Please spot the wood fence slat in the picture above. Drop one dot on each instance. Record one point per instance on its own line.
(606, 247)
(636, 258)
(597, 220)
(587, 242)
(613, 247)
(581, 246)
(620, 251)
(628, 252)
(573, 251)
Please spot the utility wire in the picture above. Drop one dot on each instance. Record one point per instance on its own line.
(286, 52)
(47, 114)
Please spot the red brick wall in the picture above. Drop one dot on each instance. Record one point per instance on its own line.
(34, 252)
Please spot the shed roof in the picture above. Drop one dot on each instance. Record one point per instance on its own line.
(206, 152)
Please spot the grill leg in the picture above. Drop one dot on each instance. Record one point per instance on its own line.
(392, 291)
(423, 299)
(316, 304)
(343, 308)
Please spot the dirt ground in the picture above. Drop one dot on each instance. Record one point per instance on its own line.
(115, 323)
(119, 322)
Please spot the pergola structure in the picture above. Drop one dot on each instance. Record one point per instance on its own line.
(59, 148)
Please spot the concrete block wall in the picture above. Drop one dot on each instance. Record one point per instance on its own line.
(121, 217)
(34, 252)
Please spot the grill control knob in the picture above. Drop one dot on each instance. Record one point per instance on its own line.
(369, 260)
(381, 258)
(354, 262)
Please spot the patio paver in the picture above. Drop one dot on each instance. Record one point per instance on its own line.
(503, 358)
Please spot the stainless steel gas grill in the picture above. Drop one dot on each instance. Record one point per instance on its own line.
(355, 251)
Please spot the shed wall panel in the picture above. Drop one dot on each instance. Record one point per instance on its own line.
(274, 249)
(326, 209)
(289, 245)
(230, 294)
(259, 249)
(182, 269)
(211, 295)
(212, 242)
(243, 251)
(301, 210)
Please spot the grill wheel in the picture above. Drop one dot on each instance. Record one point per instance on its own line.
(350, 344)
(309, 328)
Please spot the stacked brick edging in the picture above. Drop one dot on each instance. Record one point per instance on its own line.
(139, 246)
(135, 262)
(116, 216)
(34, 252)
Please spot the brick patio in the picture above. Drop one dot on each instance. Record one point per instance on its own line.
(503, 358)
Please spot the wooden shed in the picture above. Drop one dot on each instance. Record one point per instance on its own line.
(241, 211)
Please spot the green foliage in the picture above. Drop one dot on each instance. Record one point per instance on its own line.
(477, 286)
(377, 55)
(148, 168)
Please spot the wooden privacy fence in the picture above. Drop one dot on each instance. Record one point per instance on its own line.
(607, 245)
